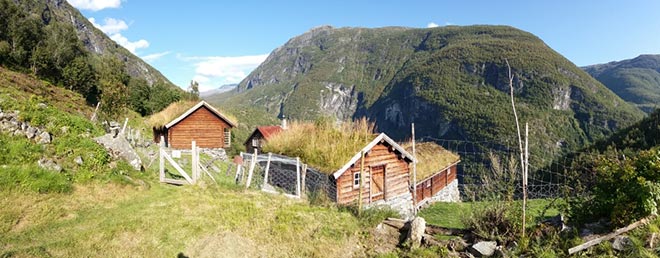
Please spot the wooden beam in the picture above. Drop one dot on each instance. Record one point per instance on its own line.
(178, 168)
(609, 236)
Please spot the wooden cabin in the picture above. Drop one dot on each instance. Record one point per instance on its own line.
(260, 136)
(201, 123)
(386, 173)
(436, 169)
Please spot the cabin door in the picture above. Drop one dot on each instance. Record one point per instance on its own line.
(377, 187)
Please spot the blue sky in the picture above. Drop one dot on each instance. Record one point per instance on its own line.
(219, 42)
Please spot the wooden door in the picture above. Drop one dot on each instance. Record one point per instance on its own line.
(377, 183)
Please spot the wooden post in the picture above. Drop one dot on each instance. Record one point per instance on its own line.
(525, 174)
(361, 182)
(253, 163)
(238, 169)
(304, 175)
(414, 172)
(267, 168)
(195, 174)
(162, 160)
(124, 127)
(298, 176)
(95, 110)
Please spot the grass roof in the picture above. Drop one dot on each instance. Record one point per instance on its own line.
(322, 145)
(431, 158)
(175, 110)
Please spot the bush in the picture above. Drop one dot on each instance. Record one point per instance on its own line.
(498, 221)
(625, 188)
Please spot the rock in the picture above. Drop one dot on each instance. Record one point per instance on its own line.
(622, 243)
(119, 147)
(78, 160)
(483, 248)
(416, 232)
(44, 138)
(64, 129)
(49, 164)
(31, 132)
(42, 105)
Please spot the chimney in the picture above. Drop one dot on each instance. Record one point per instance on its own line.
(283, 122)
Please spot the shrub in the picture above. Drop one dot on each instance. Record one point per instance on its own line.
(625, 188)
(498, 221)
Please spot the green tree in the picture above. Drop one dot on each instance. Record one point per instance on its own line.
(79, 76)
(139, 94)
(114, 92)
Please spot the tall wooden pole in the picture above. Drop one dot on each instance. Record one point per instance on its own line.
(525, 174)
(361, 182)
(414, 172)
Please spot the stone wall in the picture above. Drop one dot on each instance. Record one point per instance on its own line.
(10, 124)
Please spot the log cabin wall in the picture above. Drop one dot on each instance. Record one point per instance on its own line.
(202, 126)
(396, 176)
(429, 187)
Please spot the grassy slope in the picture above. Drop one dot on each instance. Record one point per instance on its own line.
(163, 221)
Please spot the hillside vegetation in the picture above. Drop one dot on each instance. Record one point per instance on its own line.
(51, 41)
(635, 80)
(451, 81)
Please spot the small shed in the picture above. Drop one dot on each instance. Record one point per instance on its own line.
(386, 173)
(436, 173)
(201, 123)
(260, 136)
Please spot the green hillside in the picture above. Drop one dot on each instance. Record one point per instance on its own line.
(54, 42)
(635, 80)
(451, 81)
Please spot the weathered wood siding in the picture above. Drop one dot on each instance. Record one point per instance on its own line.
(202, 126)
(396, 176)
(248, 143)
(438, 181)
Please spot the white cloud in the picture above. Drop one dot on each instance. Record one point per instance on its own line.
(110, 25)
(95, 5)
(213, 71)
(432, 25)
(130, 45)
(155, 56)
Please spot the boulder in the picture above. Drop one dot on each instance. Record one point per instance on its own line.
(78, 160)
(119, 147)
(416, 232)
(31, 132)
(42, 105)
(44, 138)
(49, 164)
(483, 248)
(622, 243)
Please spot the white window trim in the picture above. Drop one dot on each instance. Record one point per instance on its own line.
(356, 176)
(227, 140)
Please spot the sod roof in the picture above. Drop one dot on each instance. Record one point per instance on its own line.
(431, 158)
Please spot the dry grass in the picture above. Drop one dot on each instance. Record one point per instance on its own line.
(322, 145)
(176, 109)
(431, 157)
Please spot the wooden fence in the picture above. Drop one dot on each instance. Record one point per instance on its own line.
(182, 168)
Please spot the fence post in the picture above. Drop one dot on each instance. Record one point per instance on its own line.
(267, 168)
(304, 175)
(124, 127)
(298, 176)
(162, 160)
(195, 175)
(238, 168)
(253, 163)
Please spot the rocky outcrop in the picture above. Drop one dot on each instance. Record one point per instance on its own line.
(119, 147)
(10, 123)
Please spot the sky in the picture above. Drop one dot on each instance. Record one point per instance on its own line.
(221, 42)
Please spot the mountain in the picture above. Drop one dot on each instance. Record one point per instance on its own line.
(218, 90)
(635, 80)
(451, 81)
(94, 40)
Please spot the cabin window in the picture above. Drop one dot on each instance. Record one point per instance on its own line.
(448, 171)
(227, 137)
(356, 180)
(428, 184)
(255, 143)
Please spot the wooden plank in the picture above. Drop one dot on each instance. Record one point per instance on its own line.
(161, 163)
(178, 168)
(253, 163)
(609, 236)
(207, 172)
(267, 168)
(174, 181)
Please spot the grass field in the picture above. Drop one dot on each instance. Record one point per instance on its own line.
(164, 221)
(451, 215)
